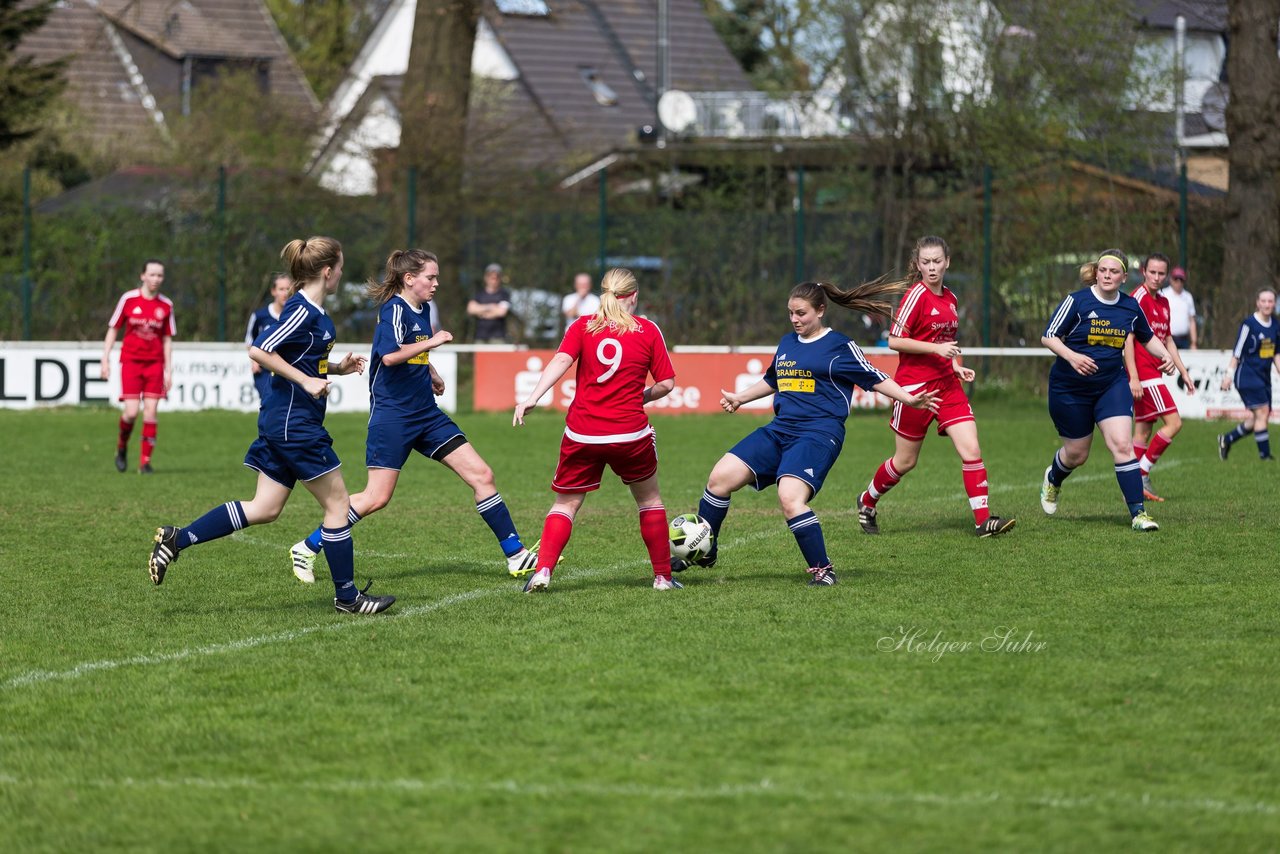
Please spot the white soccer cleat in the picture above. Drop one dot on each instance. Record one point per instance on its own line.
(539, 582)
(1049, 494)
(304, 562)
(522, 563)
(662, 582)
(1144, 522)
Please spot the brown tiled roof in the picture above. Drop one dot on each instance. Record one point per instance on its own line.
(97, 82)
(99, 85)
(616, 38)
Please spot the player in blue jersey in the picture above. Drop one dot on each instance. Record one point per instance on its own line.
(404, 416)
(292, 443)
(811, 377)
(1250, 369)
(1088, 383)
(263, 320)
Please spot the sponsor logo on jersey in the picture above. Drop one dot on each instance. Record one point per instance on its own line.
(934, 312)
(327, 336)
(1093, 314)
(136, 310)
(809, 472)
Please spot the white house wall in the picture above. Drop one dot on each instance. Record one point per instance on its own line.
(344, 157)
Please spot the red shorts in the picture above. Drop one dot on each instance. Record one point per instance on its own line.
(581, 465)
(1156, 401)
(953, 408)
(141, 379)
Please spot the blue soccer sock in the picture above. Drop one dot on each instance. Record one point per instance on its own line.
(340, 554)
(808, 533)
(218, 522)
(1058, 471)
(313, 540)
(1129, 475)
(713, 508)
(1242, 429)
(493, 510)
(1264, 443)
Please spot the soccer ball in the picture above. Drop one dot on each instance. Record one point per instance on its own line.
(691, 537)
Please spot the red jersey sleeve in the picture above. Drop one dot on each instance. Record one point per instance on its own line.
(118, 318)
(906, 320)
(660, 359)
(571, 344)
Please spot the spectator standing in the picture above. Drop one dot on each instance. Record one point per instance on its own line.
(264, 320)
(1182, 309)
(490, 307)
(582, 302)
(146, 359)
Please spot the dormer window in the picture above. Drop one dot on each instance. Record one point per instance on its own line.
(601, 91)
(528, 8)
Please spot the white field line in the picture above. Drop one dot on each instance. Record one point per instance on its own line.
(761, 788)
(35, 677)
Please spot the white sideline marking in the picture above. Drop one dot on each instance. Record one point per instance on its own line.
(764, 787)
(35, 677)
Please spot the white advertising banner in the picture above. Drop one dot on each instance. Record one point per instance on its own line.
(1208, 368)
(205, 376)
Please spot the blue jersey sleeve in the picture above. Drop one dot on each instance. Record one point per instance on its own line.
(1059, 324)
(854, 367)
(292, 324)
(1141, 328)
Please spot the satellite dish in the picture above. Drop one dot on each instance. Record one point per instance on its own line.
(677, 110)
(1213, 106)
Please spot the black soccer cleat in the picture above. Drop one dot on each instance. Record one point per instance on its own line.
(1224, 447)
(994, 526)
(146, 468)
(163, 553)
(121, 463)
(680, 564)
(823, 576)
(867, 518)
(363, 604)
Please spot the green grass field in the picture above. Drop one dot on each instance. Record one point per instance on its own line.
(1134, 705)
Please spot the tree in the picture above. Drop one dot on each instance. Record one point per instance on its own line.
(433, 121)
(1252, 233)
(27, 88)
(325, 35)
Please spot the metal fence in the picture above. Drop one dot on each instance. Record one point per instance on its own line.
(712, 274)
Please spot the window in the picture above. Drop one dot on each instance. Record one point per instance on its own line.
(601, 91)
(531, 8)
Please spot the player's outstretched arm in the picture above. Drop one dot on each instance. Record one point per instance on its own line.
(890, 389)
(730, 401)
(351, 363)
(551, 375)
(657, 391)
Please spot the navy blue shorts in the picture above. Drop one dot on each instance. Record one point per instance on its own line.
(391, 439)
(1255, 395)
(289, 462)
(772, 454)
(1074, 412)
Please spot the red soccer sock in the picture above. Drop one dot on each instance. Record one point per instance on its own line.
(653, 530)
(1159, 444)
(1139, 451)
(556, 531)
(975, 483)
(885, 479)
(148, 442)
(126, 430)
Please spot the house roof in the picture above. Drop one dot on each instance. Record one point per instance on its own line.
(116, 91)
(1207, 15)
(617, 38)
(548, 114)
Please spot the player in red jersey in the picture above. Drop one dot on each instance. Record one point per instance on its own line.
(606, 424)
(1151, 398)
(146, 359)
(924, 334)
